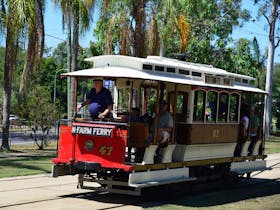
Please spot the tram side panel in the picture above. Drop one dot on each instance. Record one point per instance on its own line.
(206, 133)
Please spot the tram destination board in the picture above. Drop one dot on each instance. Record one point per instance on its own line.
(93, 131)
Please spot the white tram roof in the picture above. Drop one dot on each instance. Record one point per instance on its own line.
(163, 69)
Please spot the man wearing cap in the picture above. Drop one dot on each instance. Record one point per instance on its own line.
(100, 101)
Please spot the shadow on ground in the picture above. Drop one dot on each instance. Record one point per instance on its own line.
(207, 198)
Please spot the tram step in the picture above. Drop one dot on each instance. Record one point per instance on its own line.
(159, 177)
(248, 166)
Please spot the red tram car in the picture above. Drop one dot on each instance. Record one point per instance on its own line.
(207, 138)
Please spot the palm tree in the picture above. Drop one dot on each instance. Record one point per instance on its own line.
(153, 37)
(139, 15)
(36, 34)
(77, 14)
(19, 13)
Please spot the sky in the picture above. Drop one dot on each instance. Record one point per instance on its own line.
(55, 33)
(54, 28)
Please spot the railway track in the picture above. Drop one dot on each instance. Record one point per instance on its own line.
(43, 192)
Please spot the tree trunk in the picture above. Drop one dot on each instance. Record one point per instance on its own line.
(269, 70)
(29, 61)
(75, 50)
(41, 30)
(69, 55)
(10, 63)
(138, 13)
(153, 38)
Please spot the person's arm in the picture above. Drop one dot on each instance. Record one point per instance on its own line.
(109, 102)
(86, 102)
(106, 112)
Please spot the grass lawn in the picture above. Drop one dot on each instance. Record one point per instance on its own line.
(272, 145)
(25, 160)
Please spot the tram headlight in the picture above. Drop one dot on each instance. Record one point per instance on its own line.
(89, 145)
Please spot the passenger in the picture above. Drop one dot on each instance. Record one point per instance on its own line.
(165, 126)
(135, 115)
(146, 119)
(165, 123)
(255, 124)
(244, 123)
(211, 111)
(254, 129)
(99, 100)
(243, 129)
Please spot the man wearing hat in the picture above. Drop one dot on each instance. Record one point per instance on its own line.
(100, 101)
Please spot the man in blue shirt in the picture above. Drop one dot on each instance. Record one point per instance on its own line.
(100, 101)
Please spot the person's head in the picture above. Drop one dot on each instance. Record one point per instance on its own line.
(135, 111)
(163, 106)
(98, 84)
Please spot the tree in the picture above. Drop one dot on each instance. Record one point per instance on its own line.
(139, 15)
(122, 27)
(276, 95)
(15, 15)
(42, 114)
(259, 60)
(36, 39)
(77, 14)
(153, 36)
(270, 11)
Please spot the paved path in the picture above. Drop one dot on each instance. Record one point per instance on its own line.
(44, 192)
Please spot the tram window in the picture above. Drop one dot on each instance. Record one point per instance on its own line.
(159, 68)
(233, 109)
(211, 106)
(147, 67)
(223, 107)
(227, 81)
(237, 80)
(170, 70)
(199, 105)
(185, 72)
(179, 104)
(245, 81)
(196, 74)
(123, 102)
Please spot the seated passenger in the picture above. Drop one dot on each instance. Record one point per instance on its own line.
(146, 119)
(135, 115)
(165, 124)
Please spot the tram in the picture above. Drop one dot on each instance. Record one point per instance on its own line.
(207, 140)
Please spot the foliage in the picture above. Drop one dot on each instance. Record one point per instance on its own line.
(276, 95)
(42, 114)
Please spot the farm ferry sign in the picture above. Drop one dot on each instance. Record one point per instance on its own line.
(93, 131)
